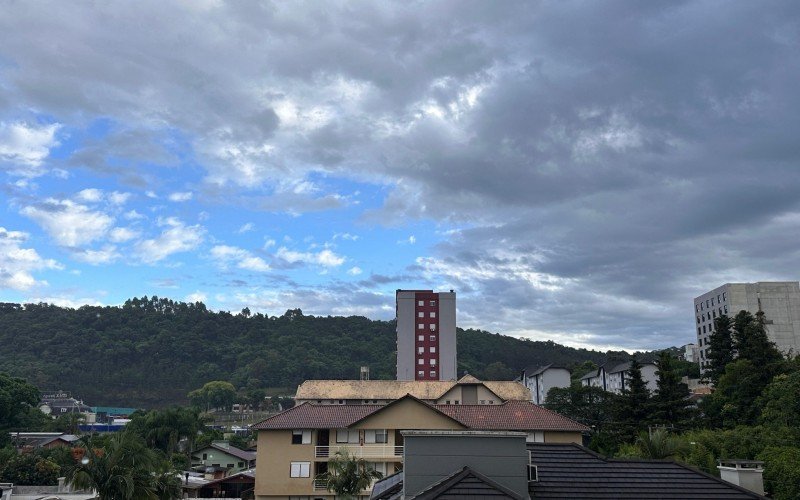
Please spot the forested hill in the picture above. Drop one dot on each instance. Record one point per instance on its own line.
(152, 351)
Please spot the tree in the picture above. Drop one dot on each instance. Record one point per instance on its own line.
(752, 342)
(164, 429)
(660, 444)
(347, 476)
(720, 349)
(631, 407)
(29, 470)
(124, 470)
(215, 394)
(17, 397)
(588, 405)
(781, 472)
(780, 401)
(671, 404)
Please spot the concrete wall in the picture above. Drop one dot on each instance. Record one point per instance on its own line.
(405, 335)
(275, 453)
(431, 458)
(447, 336)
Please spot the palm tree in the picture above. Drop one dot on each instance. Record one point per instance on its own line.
(347, 476)
(660, 445)
(124, 470)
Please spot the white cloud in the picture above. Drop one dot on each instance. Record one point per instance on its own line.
(269, 243)
(117, 198)
(26, 146)
(346, 236)
(18, 263)
(325, 258)
(69, 223)
(196, 297)
(227, 255)
(90, 195)
(408, 241)
(180, 196)
(69, 302)
(246, 228)
(105, 255)
(121, 234)
(133, 215)
(177, 237)
(355, 271)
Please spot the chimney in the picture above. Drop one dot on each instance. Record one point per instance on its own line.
(749, 474)
(365, 373)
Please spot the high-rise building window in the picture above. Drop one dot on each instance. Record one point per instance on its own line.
(420, 350)
(718, 301)
(698, 330)
(704, 328)
(420, 303)
(698, 320)
(433, 303)
(433, 314)
(420, 374)
(723, 297)
(420, 361)
(421, 314)
(421, 338)
(433, 362)
(433, 337)
(433, 327)
(433, 349)
(726, 309)
(433, 373)
(421, 326)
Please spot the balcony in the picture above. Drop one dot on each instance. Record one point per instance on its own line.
(364, 451)
(319, 485)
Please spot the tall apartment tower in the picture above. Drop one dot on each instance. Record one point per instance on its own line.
(426, 335)
(779, 300)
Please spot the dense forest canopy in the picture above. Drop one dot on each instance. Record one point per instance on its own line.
(151, 352)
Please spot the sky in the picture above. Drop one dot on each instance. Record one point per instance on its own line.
(575, 171)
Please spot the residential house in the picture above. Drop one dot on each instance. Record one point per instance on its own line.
(459, 464)
(220, 454)
(34, 440)
(614, 377)
(540, 379)
(295, 446)
(239, 485)
(570, 471)
(466, 390)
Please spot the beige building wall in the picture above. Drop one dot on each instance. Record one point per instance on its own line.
(457, 393)
(563, 437)
(275, 453)
(408, 415)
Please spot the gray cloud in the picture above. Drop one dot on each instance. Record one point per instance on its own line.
(607, 161)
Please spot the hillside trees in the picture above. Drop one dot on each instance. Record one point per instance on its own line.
(17, 398)
(631, 409)
(671, 399)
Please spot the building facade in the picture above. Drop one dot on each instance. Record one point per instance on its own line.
(540, 379)
(295, 446)
(615, 377)
(779, 300)
(426, 335)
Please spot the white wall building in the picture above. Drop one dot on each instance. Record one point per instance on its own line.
(426, 335)
(615, 378)
(540, 379)
(779, 300)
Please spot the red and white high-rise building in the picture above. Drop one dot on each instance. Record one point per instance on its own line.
(426, 335)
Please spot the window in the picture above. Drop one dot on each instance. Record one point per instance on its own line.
(372, 436)
(205, 456)
(433, 373)
(533, 472)
(433, 314)
(714, 313)
(698, 320)
(300, 469)
(432, 303)
(726, 309)
(63, 410)
(447, 402)
(240, 464)
(421, 338)
(433, 338)
(420, 326)
(718, 301)
(433, 328)
(704, 328)
(433, 349)
(420, 361)
(483, 401)
(420, 374)
(433, 362)
(230, 466)
(347, 436)
(701, 306)
(723, 297)
(420, 350)
(698, 330)
(421, 314)
(491, 401)
(300, 436)
(720, 311)
(712, 301)
(420, 302)
(707, 301)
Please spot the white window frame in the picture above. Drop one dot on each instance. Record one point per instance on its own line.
(305, 436)
(421, 338)
(420, 350)
(433, 362)
(376, 436)
(420, 302)
(433, 327)
(420, 314)
(433, 349)
(421, 326)
(420, 361)
(347, 436)
(432, 314)
(299, 469)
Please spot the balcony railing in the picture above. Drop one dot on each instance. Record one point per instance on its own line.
(320, 485)
(364, 451)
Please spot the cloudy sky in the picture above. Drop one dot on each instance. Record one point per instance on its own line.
(576, 171)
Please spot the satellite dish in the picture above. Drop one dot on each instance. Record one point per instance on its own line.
(45, 409)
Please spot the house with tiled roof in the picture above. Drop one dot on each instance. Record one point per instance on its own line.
(466, 390)
(295, 446)
(221, 454)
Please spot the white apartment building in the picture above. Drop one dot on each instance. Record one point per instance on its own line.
(540, 379)
(615, 378)
(779, 300)
(426, 335)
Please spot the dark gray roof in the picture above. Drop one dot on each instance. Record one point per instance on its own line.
(388, 488)
(466, 483)
(230, 450)
(537, 369)
(570, 471)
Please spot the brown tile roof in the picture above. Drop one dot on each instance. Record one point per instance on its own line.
(312, 390)
(314, 416)
(511, 416)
